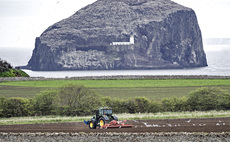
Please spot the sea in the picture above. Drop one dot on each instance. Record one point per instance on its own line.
(218, 58)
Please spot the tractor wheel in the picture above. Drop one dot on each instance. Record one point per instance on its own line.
(101, 122)
(92, 125)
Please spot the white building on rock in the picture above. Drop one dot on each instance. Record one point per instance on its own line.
(131, 41)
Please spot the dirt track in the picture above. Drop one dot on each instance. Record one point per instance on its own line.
(139, 126)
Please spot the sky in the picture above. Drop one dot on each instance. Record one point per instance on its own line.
(21, 21)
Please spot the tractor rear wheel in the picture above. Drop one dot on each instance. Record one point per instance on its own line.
(101, 122)
(92, 125)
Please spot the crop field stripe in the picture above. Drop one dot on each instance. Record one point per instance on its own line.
(123, 83)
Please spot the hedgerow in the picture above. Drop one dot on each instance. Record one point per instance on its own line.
(77, 100)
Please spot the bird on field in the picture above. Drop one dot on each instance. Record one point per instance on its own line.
(155, 125)
(188, 121)
(169, 125)
(147, 124)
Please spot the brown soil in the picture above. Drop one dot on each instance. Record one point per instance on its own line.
(139, 126)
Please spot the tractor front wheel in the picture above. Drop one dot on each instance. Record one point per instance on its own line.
(92, 125)
(101, 122)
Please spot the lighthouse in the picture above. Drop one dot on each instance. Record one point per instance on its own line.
(131, 38)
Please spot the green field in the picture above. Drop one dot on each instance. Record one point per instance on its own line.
(152, 89)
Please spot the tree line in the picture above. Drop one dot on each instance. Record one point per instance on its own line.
(72, 100)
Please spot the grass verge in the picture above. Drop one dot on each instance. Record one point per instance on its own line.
(142, 116)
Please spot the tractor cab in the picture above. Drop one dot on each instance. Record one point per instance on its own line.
(105, 111)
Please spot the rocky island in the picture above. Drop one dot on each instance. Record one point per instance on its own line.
(122, 34)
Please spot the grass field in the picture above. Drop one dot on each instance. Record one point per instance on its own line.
(152, 89)
(143, 116)
(122, 83)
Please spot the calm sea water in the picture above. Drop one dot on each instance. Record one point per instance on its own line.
(218, 57)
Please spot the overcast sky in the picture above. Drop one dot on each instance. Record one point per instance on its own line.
(21, 21)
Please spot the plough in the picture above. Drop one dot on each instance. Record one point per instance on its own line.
(116, 124)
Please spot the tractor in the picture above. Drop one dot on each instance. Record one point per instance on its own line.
(104, 118)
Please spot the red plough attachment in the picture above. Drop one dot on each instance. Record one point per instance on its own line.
(116, 124)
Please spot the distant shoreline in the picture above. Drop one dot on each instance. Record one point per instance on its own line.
(117, 77)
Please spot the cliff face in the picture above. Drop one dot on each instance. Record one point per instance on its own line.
(167, 35)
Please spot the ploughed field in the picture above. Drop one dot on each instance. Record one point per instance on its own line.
(139, 126)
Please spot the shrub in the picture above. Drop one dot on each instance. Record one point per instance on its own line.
(138, 104)
(209, 99)
(142, 104)
(181, 104)
(14, 107)
(6, 70)
(131, 106)
(2, 102)
(7, 74)
(13, 73)
(119, 106)
(106, 101)
(154, 107)
(76, 100)
(44, 103)
(174, 104)
(167, 104)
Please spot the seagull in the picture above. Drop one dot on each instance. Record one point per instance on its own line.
(147, 124)
(217, 124)
(155, 125)
(194, 124)
(188, 121)
(169, 125)
(223, 123)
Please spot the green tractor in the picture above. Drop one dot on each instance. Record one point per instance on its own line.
(103, 116)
